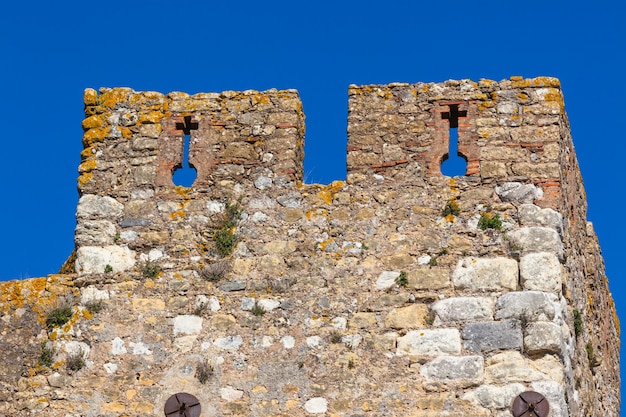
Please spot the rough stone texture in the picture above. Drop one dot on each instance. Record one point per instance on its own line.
(490, 336)
(447, 371)
(361, 284)
(541, 272)
(461, 309)
(526, 306)
(486, 274)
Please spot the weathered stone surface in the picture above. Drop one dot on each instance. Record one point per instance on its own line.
(428, 279)
(429, 343)
(94, 259)
(387, 279)
(537, 239)
(518, 192)
(338, 337)
(407, 317)
(491, 396)
(491, 336)
(485, 274)
(510, 366)
(526, 306)
(543, 337)
(554, 394)
(461, 309)
(187, 325)
(541, 272)
(531, 215)
(94, 232)
(457, 371)
(90, 205)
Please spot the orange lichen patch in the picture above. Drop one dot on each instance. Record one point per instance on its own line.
(483, 105)
(522, 97)
(183, 192)
(316, 213)
(95, 135)
(113, 96)
(126, 133)
(90, 97)
(327, 192)
(324, 244)
(260, 98)
(535, 82)
(83, 179)
(178, 214)
(147, 99)
(516, 78)
(151, 117)
(95, 121)
(87, 166)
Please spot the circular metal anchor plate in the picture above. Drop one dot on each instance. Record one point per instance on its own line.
(182, 405)
(530, 404)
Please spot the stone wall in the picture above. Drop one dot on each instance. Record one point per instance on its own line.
(400, 292)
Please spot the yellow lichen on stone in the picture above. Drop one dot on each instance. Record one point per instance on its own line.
(95, 135)
(126, 133)
(151, 117)
(84, 178)
(260, 98)
(95, 121)
(113, 96)
(90, 97)
(87, 166)
(327, 193)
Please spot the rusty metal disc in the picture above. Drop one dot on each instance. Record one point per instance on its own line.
(530, 404)
(182, 405)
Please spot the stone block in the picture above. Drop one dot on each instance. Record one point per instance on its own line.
(485, 274)
(526, 306)
(90, 205)
(460, 309)
(386, 279)
(531, 215)
(537, 239)
(430, 343)
(510, 366)
(541, 271)
(94, 232)
(494, 397)
(492, 336)
(518, 192)
(428, 279)
(95, 259)
(453, 371)
(362, 320)
(407, 317)
(543, 337)
(187, 325)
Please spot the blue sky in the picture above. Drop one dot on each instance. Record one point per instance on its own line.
(52, 51)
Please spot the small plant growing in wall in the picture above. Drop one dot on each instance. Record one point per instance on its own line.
(108, 269)
(150, 270)
(224, 237)
(258, 310)
(46, 357)
(490, 221)
(95, 306)
(402, 280)
(204, 371)
(216, 271)
(59, 316)
(335, 337)
(451, 208)
(578, 323)
(75, 361)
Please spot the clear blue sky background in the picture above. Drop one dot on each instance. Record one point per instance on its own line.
(52, 50)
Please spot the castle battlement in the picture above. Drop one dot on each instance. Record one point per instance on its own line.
(399, 291)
